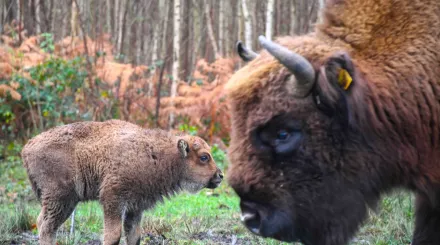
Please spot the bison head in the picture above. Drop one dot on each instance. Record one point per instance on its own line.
(202, 171)
(300, 166)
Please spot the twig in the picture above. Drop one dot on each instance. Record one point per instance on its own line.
(234, 240)
(34, 122)
(72, 224)
(40, 115)
(159, 86)
(89, 64)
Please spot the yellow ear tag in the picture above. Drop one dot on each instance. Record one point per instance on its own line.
(344, 79)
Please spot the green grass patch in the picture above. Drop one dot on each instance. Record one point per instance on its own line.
(393, 224)
(15, 219)
(209, 217)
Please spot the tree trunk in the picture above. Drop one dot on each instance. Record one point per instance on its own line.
(163, 11)
(240, 28)
(293, 18)
(269, 18)
(19, 10)
(197, 17)
(65, 21)
(20, 19)
(50, 27)
(176, 56)
(221, 23)
(37, 17)
(132, 33)
(138, 38)
(321, 7)
(210, 31)
(115, 20)
(121, 16)
(159, 87)
(2, 16)
(247, 23)
(74, 20)
(108, 17)
(154, 51)
(187, 39)
(165, 30)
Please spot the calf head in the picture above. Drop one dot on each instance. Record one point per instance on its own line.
(201, 170)
(295, 158)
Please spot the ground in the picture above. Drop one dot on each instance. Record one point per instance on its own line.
(210, 217)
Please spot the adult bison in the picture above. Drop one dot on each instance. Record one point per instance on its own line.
(323, 124)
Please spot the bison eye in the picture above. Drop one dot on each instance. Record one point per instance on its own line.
(204, 158)
(282, 135)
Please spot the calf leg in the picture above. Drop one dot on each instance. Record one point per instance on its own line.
(132, 227)
(112, 224)
(427, 225)
(52, 216)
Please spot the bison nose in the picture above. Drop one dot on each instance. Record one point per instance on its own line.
(250, 216)
(265, 220)
(220, 175)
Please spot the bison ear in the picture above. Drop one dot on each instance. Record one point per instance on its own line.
(183, 147)
(336, 80)
(245, 53)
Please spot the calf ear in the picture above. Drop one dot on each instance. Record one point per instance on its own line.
(336, 80)
(183, 147)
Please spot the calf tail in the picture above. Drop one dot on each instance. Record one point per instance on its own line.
(35, 188)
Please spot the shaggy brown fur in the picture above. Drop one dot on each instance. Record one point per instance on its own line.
(127, 168)
(345, 148)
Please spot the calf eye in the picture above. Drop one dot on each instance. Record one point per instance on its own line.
(204, 158)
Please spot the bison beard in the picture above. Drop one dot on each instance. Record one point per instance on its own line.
(324, 124)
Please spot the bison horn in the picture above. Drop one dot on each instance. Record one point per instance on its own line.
(297, 64)
(245, 53)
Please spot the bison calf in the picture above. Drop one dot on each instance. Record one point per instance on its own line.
(127, 168)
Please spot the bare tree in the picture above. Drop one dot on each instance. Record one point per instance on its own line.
(108, 17)
(269, 19)
(74, 20)
(293, 18)
(210, 31)
(37, 17)
(176, 55)
(115, 18)
(321, 6)
(247, 23)
(121, 23)
(221, 27)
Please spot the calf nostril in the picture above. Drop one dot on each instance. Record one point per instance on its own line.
(220, 175)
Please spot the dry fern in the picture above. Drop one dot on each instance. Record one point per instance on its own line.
(202, 102)
(6, 89)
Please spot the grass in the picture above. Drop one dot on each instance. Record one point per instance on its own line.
(209, 217)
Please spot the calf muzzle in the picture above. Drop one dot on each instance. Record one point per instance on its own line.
(216, 180)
